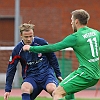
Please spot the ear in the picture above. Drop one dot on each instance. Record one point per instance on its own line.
(21, 35)
(76, 21)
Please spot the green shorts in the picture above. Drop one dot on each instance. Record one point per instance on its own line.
(77, 81)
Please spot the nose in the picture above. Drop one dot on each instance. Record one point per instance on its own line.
(28, 38)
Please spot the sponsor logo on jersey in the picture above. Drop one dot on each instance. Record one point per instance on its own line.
(34, 62)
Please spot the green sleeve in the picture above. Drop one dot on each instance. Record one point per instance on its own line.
(69, 41)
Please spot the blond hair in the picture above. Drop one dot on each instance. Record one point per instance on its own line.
(26, 27)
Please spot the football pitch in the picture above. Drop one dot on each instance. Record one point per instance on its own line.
(44, 98)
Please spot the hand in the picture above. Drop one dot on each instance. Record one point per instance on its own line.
(26, 47)
(60, 79)
(6, 95)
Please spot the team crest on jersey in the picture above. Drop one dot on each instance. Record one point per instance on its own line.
(10, 59)
(39, 54)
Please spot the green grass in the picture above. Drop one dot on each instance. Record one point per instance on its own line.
(39, 98)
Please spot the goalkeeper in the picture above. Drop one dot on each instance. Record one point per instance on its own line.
(85, 42)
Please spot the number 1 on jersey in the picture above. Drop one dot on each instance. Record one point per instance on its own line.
(94, 49)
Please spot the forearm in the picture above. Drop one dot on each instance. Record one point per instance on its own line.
(8, 85)
(65, 43)
(9, 77)
(54, 63)
(47, 48)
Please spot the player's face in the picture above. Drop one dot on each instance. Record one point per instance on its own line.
(73, 24)
(27, 36)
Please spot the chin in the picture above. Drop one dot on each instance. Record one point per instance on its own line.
(28, 43)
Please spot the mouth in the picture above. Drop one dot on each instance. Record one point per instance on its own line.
(28, 43)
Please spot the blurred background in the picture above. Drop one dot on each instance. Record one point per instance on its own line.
(52, 20)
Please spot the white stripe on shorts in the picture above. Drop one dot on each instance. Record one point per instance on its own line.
(72, 77)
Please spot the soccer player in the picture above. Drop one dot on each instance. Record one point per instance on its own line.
(85, 42)
(37, 69)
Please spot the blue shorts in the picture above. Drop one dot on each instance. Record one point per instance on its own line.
(40, 85)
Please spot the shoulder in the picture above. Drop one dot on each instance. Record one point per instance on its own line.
(73, 35)
(18, 47)
(95, 31)
(40, 41)
(38, 38)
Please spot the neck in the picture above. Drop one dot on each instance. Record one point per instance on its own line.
(80, 26)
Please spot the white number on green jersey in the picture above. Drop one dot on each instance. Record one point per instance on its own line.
(94, 50)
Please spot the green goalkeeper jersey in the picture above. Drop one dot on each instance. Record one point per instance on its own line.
(85, 43)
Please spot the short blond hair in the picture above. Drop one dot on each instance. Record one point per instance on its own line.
(26, 27)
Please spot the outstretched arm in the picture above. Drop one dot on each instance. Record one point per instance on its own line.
(69, 41)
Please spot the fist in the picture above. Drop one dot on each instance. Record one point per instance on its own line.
(26, 47)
